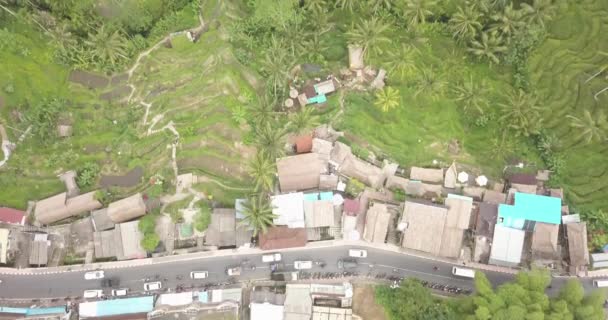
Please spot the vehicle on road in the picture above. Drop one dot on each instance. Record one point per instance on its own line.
(199, 275)
(88, 294)
(151, 286)
(120, 292)
(302, 265)
(463, 272)
(357, 253)
(347, 263)
(271, 257)
(600, 283)
(234, 271)
(94, 275)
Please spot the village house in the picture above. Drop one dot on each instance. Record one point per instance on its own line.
(376, 225)
(300, 172)
(507, 246)
(12, 216)
(60, 207)
(577, 246)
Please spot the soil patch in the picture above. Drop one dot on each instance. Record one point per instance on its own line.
(89, 80)
(119, 79)
(116, 94)
(364, 303)
(132, 178)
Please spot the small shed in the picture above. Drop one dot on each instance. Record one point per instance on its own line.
(426, 175)
(39, 250)
(507, 246)
(577, 244)
(300, 172)
(376, 223)
(283, 237)
(451, 174)
(304, 144)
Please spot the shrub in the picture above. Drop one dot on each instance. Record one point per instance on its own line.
(203, 218)
(87, 175)
(150, 242)
(398, 194)
(354, 187)
(147, 224)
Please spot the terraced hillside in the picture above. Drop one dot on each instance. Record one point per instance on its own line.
(560, 70)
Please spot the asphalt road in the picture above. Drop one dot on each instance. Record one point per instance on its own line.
(171, 274)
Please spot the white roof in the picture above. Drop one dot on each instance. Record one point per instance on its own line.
(290, 210)
(266, 311)
(507, 245)
(3, 244)
(298, 303)
(175, 299)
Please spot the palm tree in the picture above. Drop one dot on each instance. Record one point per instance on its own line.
(262, 170)
(316, 47)
(276, 65)
(414, 37)
(270, 141)
(303, 120)
(521, 113)
(472, 95)
(508, 22)
(108, 45)
(369, 34)
(387, 99)
(539, 12)
(417, 11)
(429, 84)
(465, 23)
(593, 127)
(347, 4)
(315, 6)
(489, 46)
(258, 214)
(376, 5)
(401, 62)
(262, 112)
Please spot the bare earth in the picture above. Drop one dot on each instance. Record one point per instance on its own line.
(364, 304)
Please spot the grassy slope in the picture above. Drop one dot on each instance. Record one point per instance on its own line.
(191, 83)
(559, 68)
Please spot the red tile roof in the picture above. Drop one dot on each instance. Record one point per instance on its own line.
(13, 216)
(304, 144)
(283, 237)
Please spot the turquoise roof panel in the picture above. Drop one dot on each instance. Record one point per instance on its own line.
(43, 311)
(125, 306)
(530, 207)
(329, 196)
(13, 310)
(311, 196)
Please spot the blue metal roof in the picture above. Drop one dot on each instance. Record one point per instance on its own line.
(326, 196)
(124, 306)
(530, 207)
(13, 310)
(42, 311)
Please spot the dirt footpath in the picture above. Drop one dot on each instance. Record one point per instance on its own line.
(364, 304)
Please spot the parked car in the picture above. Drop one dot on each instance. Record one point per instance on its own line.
(272, 257)
(357, 253)
(347, 263)
(89, 294)
(234, 271)
(151, 286)
(199, 275)
(120, 292)
(94, 275)
(302, 265)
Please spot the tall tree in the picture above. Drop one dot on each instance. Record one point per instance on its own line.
(400, 62)
(412, 301)
(508, 22)
(465, 23)
(258, 214)
(429, 84)
(489, 46)
(592, 127)
(270, 140)
(369, 34)
(303, 120)
(108, 45)
(417, 11)
(262, 170)
(387, 99)
(472, 95)
(539, 12)
(521, 113)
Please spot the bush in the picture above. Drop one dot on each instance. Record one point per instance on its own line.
(87, 175)
(354, 187)
(398, 194)
(177, 216)
(147, 224)
(203, 218)
(150, 241)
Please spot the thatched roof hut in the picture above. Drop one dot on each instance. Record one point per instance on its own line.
(127, 209)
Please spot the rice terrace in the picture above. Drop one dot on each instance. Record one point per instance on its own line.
(474, 132)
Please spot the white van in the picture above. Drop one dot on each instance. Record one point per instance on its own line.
(151, 286)
(463, 272)
(94, 275)
(271, 257)
(88, 294)
(600, 283)
(199, 275)
(120, 292)
(302, 265)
